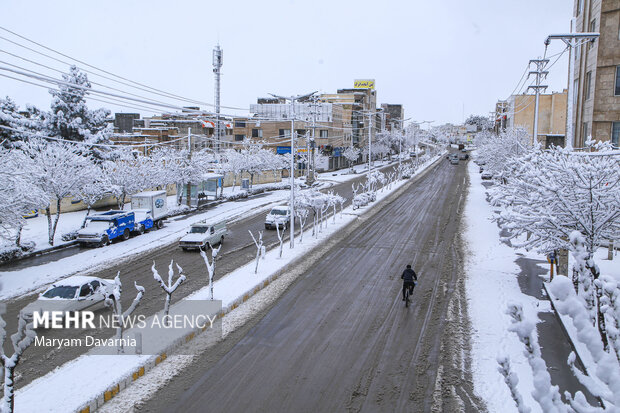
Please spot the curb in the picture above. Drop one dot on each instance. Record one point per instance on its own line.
(308, 259)
(568, 337)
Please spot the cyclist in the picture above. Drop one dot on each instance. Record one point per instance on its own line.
(409, 280)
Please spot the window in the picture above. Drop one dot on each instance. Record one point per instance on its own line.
(239, 138)
(617, 92)
(585, 131)
(592, 30)
(284, 133)
(300, 132)
(579, 5)
(85, 290)
(323, 133)
(257, 133)
(588, 84)
(615, 134)
(575, 90)
(239, 124)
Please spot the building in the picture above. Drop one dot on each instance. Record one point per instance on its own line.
(551, 116)
(392, 116)
(596, 100)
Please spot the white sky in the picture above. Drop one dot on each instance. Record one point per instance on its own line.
(439, 58)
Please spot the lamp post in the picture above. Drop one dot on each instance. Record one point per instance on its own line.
(292, 174)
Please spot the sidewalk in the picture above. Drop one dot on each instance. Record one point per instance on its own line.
(497, 275)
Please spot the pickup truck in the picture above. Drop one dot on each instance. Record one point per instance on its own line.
(103, 227)
(202, 234)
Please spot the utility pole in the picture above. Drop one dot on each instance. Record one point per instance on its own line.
(218, 60)
(540, 74)
(292, 197)
(189, 157)
(371, 115)
(572, 40)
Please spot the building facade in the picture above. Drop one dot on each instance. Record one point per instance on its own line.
(596, 100)
(551, 116)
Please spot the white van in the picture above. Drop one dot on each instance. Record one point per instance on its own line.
(202, 234)
(279, 216)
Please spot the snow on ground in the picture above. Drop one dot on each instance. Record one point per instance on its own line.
(89, 375)
(15, 283)
(492, 284)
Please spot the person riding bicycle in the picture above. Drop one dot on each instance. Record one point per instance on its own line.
(409, 280)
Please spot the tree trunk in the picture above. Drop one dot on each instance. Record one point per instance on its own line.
(87, 214)
(189, 195)
(602, 328)
(18, 239)
(56, 220)
(48, 212)
(9, 395)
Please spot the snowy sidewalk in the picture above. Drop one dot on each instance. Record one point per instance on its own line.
(94, 378)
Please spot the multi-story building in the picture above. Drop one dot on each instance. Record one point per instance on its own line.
(392, 115)
(596, 99)
(551, 116)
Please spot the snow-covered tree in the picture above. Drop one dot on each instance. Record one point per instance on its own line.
(170, 287)
(70, 118)
(126, 173)
(18, 194)
(498, 151)
(351, 154)
(602, 379)
(481, 123)
(260, 249)
(557, 199)
(21, 340)
(113, 300)
(280, 237)
(210, 265)
(58, 169)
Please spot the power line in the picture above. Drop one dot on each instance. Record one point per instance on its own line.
(152, 89)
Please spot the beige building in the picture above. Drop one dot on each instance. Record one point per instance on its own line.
(596, 103)
(551, 116)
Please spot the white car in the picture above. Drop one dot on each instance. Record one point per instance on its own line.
(278, 216)
(202, 234)
(72, 294)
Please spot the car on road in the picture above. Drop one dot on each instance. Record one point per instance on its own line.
(75, 293)
(278, 216)
(203, 234)
(454, 161)
(464, 156)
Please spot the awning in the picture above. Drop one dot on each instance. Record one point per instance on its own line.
(207, 124)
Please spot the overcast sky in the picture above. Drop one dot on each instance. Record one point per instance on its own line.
(441, 59)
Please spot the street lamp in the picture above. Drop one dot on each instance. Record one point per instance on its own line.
(292, 174)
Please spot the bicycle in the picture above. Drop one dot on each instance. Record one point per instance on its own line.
(409, 291)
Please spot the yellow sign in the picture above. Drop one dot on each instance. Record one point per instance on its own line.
(364, 84)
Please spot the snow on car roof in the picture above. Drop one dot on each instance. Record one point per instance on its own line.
(78, 280)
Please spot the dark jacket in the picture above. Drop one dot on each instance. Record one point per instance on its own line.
(409, 275)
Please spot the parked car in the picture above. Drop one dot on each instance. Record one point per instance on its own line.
(202, 234)
(32, 214)
(104, 227)
(464, 156)
(72, 294)
(279, 216)
(487, 175)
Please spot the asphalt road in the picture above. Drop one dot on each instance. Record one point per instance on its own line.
(340, 338)
(237, 250)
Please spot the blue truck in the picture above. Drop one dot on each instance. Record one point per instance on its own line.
(101, 228)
